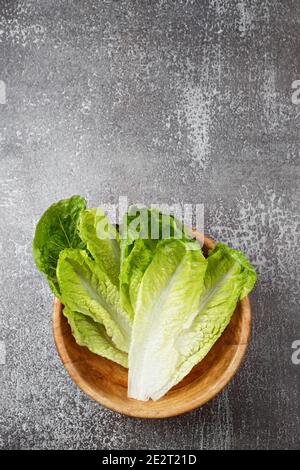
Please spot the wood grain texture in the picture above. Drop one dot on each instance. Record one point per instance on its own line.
(106, 381)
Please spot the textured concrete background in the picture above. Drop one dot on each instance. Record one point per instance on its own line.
(163, 102)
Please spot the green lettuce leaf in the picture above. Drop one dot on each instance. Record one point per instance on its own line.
(141, 231)
(56, 230)
(132, 271)
(167, 302)
(150, 225)
(229, 277)
(86, 289)
(93, 335)
(102, 240)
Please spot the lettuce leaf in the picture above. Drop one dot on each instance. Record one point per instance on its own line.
(132, 271)
(167, 301)
(141, 231)
(229, 277)
(86, 289)
(91, 334)
(56, 230)
(102, 240)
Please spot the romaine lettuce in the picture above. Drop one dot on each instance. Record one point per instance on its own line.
(141, 231)
(148, 290)
(86, 289)
(102, 240)
(177, 347)
(167, 302)
(229, 278)
(56, 230)
(93, 335)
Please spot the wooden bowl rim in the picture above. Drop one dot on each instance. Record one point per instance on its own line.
(152, 413)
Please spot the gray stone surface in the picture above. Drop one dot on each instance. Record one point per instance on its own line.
(162, 102)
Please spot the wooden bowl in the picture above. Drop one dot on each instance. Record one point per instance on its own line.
(106, 381)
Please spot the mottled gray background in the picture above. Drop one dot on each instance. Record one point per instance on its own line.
(161, 101)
